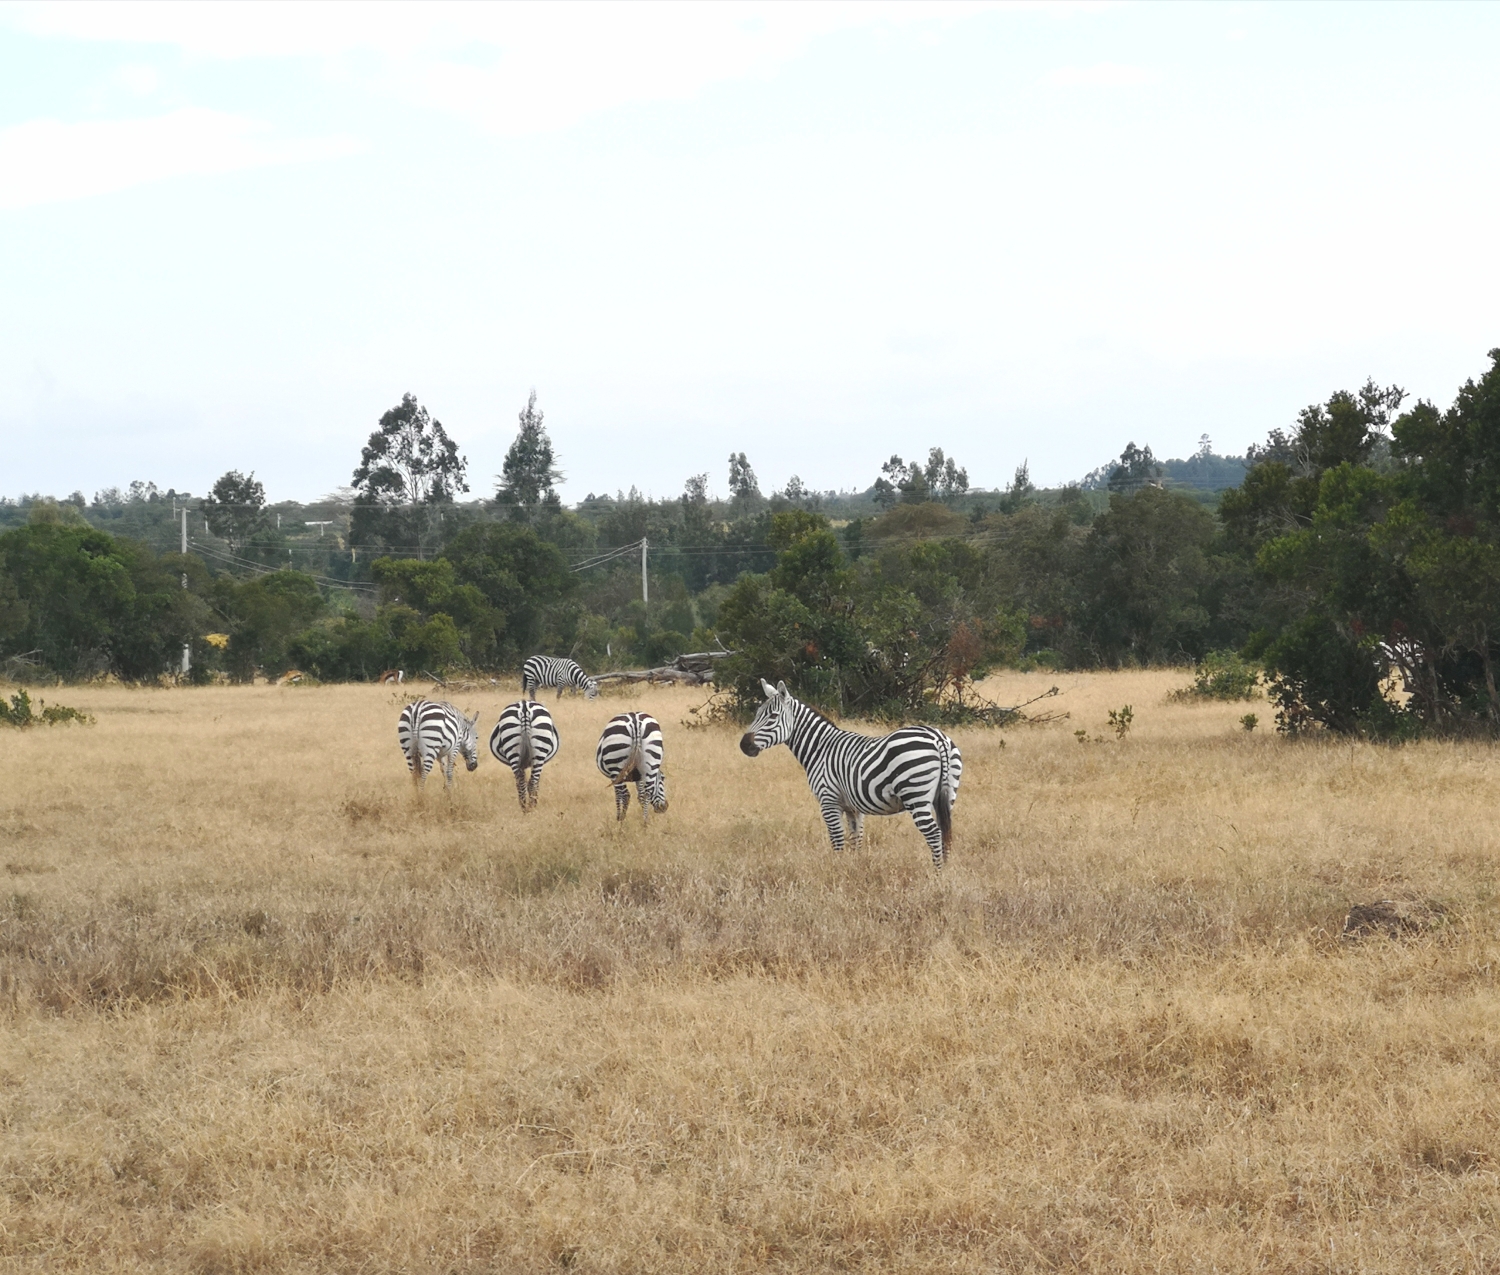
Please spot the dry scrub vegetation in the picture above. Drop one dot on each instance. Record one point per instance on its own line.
(265, 1009)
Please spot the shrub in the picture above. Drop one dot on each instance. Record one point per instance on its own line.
(18, 712)
(1223, 675)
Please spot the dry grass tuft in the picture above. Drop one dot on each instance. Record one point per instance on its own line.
(267, 1008)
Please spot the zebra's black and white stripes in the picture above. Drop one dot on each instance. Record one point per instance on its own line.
(915, 769)
(630, 751)
(429, 730)
(550, 670)
(525, 739)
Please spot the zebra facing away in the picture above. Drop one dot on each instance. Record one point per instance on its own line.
(429, 730)
(630, 751)
(915, 769)
(525, 739)
(549, 670)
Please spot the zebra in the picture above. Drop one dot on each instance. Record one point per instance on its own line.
(428, 730)
(549, 670)
(916, 769)
(630, 751)
(525, 738)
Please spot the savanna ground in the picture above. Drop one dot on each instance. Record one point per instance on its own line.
(266, 1009)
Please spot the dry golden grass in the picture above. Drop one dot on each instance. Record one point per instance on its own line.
(265, 1009)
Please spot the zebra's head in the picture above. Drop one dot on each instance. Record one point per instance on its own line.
(590, 688)
(468, 744)
(655, 788)
(773, 722)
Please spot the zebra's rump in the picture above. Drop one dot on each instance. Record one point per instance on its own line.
(525, 735)
(631, 747)
(430, 724)
(428, 729)
(630, 751)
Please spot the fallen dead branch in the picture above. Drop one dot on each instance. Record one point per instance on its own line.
(695, 669)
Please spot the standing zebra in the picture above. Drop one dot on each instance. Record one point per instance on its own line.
(525, 738)
(916, 768)
(630, 752)
(549, 670)
(429, 730)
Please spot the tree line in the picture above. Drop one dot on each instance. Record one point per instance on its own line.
(1357, 563)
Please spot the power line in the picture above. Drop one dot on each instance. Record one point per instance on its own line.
(261, 569)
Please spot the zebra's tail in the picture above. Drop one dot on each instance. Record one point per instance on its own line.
(414, 757)
(943, 803)
(632, 761)
(526, 753)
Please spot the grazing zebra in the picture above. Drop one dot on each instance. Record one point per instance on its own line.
(549, 670)
(429, 730)
(525, 738)
(916, 769)
(630, 752)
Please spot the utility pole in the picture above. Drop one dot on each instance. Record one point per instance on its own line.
(187, 650)
(645, 598)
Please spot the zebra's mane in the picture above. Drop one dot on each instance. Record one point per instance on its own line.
(823, 717)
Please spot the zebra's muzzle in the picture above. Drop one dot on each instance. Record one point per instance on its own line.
(748, 745)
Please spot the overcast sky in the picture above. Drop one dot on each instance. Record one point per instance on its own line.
(231, 237)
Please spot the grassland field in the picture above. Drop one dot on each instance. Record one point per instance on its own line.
(265, 1008)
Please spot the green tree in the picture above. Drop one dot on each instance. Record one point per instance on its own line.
(744, 488)
(941, 478)
(433, 589)
(528, 478)
(1021, 492)
(263, 617)
(520, 576)
(89, 602)
(701, 534)
(235, 509)
(408, 470)
(1136, 468)
(1144, 567)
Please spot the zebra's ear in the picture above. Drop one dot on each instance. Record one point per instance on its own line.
(767, 688)
(781, 688)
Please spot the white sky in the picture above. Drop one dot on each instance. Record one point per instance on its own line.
(232, 236)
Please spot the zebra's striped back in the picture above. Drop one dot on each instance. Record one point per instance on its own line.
(916, 768)
(429, 730)
(525, 739)
(630, 751)
(551, 670)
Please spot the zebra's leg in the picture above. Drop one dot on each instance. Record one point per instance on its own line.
(622, 801)
(448, 769)
(833, 818)
(520, 774)
(857, 829)
(640, 791)
(925, 817)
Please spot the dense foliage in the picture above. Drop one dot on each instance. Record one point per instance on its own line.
(1376, 546)
(77, 601)
(1357, 564)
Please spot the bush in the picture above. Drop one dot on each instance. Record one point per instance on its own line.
(1223, 675)
(18, 712)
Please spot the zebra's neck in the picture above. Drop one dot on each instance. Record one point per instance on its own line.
(811, 734)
